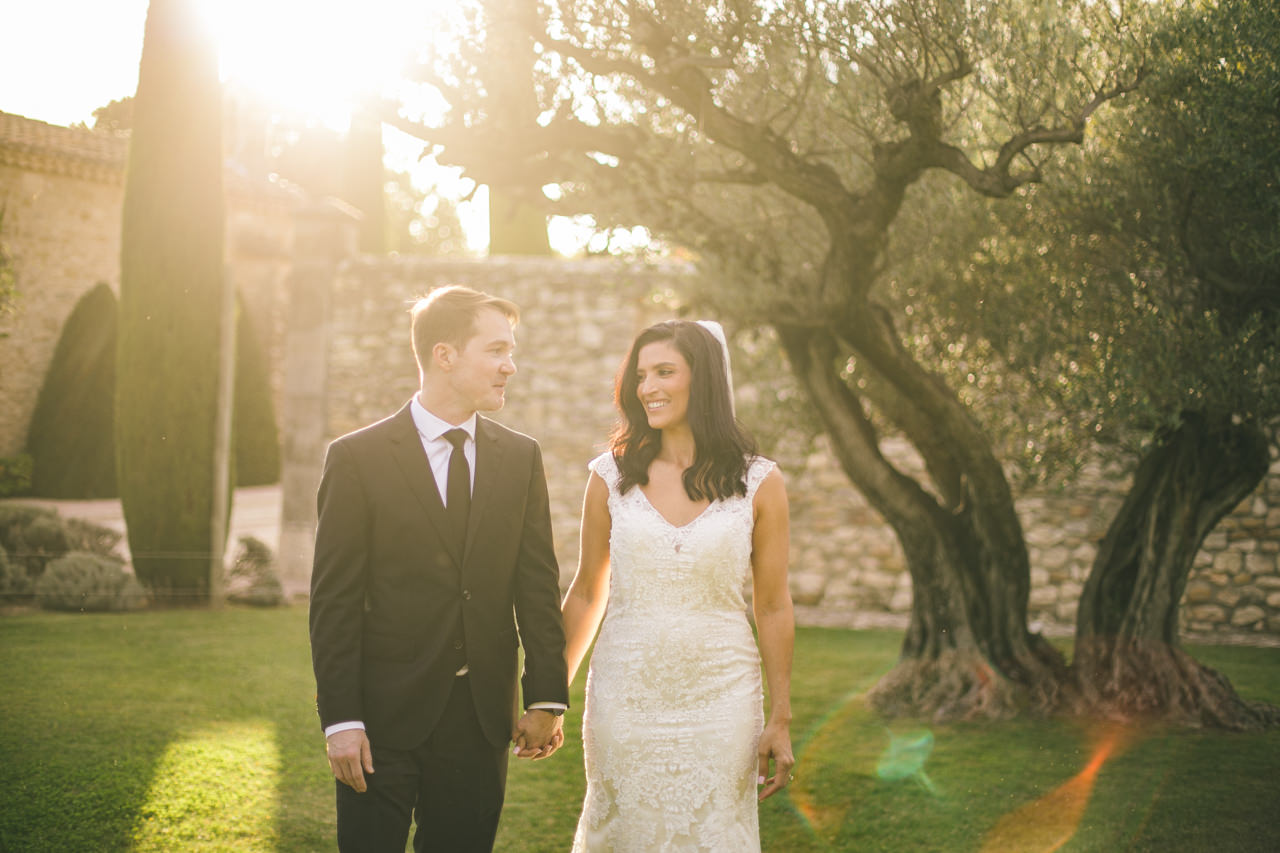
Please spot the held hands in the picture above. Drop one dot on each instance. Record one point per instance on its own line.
(775, 746)
(538, 734)
(350, 757)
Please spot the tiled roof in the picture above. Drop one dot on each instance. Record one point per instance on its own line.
(39, 146)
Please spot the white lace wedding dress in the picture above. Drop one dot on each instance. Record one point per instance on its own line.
(674, 708)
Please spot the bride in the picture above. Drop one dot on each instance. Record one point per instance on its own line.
(678, 515)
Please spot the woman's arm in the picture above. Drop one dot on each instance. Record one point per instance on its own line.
(584, 604)
(775, 625)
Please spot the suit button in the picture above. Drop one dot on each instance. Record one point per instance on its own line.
(457, 644)
(466, 593)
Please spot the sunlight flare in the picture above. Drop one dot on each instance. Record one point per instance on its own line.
(214, 789)
(1044, 825)
(324, 57)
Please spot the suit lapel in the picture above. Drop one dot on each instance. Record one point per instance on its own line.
(412, 461)
(487, 489)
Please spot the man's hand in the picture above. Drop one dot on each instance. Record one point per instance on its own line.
(350, 757)
(538, 734)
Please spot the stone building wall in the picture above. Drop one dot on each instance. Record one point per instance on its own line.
(62, 193)
(62, 233)
(846, 566)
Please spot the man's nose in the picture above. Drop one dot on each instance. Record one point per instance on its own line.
(508, 365)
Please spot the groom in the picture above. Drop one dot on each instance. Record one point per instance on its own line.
(433, 546)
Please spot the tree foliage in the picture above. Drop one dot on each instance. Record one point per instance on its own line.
(784, 143)
(171, 270)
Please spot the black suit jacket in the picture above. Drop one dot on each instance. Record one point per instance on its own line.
(394, 613)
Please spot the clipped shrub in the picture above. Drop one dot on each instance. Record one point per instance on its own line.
(70, 436)
(80, 581)
(253, 579)
(14, 519)
(15, 474)
(256, 438)
(43, 539)
(84, 535)
(13, 577)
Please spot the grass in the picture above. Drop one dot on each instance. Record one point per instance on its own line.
(194, 730)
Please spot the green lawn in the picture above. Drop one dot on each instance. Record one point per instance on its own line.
(191, 730)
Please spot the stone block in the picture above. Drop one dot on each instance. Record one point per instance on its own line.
(807, 588)
(1198, 592)
(1229, 596)
(1066, 611)
(880, 580)
(1260, 564)
(1055, 558)
(1228, 561)
(1044, 596)
(1043, 536)
(1210, 613)
(1039, 577)
(1273, 600)
(901, 600)
(1246, 616)
(1215, 541)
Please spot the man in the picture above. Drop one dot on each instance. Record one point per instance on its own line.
(433, 544)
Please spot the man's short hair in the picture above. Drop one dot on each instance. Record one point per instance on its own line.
(448, 315)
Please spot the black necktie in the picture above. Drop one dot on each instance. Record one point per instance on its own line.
(458, 487)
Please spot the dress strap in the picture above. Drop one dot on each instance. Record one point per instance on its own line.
(607, 467)
(756, 472)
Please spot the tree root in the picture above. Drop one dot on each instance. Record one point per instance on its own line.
(1132, 680)
(962, 685)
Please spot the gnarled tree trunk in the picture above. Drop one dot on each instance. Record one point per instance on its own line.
(967, 652)
(1127, 660)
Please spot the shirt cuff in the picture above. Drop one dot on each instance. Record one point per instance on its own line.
(330, 731)
(548, 706)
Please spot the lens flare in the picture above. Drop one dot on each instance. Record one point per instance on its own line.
(1048, 823)
(905, 756)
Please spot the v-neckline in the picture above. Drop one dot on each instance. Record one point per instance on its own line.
(666, 520)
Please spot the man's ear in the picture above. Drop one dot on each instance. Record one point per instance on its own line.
(443, 355)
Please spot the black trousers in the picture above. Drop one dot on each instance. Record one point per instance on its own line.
(452, 786)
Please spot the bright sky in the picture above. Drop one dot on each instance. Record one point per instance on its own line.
(61, 59)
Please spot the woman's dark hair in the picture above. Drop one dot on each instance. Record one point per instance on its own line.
(723, 450)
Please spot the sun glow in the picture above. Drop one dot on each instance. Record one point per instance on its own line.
(322, 58)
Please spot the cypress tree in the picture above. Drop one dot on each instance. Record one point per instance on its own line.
(171, 279)
(70, 439)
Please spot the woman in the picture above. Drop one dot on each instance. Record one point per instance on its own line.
(678, 514)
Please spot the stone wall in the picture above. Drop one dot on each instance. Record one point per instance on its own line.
(62, 233)
(846, 566)
(578, 319)
(62, 193)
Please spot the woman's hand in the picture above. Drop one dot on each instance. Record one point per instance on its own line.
(775, 746)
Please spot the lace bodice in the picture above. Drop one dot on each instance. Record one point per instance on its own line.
(674, 681)
(708, 560)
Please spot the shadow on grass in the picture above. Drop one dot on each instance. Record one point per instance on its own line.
(159, 731)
